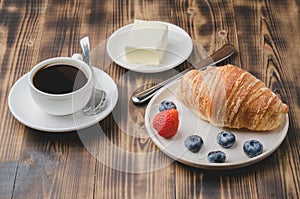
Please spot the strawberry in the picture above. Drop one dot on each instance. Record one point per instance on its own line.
(166, 123)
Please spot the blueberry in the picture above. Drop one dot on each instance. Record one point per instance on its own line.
(216, 157)
(165, 105)
(193, 143)
(252, 148)
(226, 139)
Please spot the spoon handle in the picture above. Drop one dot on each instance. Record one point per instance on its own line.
(223, 53)
(85, 45)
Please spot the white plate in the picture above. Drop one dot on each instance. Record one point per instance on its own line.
(24, 109)
(179, 48)
(191, 124)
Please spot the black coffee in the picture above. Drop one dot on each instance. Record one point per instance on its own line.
(59, 79)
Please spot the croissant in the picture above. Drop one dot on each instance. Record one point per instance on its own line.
(229, 96)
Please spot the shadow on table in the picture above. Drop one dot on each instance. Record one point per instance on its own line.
(36, 137)
(267, 165)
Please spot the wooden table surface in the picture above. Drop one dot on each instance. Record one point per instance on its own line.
(115, 158)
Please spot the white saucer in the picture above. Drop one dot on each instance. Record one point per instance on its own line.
(179, 48)
(190, 124)
(24, 109)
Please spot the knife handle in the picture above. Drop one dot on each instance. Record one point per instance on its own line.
(223, 53)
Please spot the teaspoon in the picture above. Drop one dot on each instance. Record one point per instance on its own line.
(96, 103)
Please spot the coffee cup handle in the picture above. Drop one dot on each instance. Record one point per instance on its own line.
(77, 56)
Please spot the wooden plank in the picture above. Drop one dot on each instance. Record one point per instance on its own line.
(8, 171)
(16, 60)
(54, 166)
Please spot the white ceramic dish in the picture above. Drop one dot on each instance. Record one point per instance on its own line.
(191, 124)
(179, 48)
(24, 109)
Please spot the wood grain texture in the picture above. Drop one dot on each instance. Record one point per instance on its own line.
(93, 163)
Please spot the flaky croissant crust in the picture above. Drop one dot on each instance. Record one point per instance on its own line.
(229, 96)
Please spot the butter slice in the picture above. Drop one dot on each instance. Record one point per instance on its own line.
(146, 43)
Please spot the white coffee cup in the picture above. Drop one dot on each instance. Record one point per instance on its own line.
(66, 103)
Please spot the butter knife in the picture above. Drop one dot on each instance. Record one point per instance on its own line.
(223, 53)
